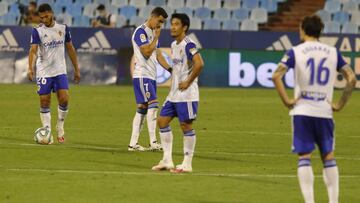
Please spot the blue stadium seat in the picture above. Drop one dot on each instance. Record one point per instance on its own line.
(270, 5)
(119, 3)
(203, 13)
(332, 6)
(249, 25)
(137, 21)
(222, 14)
(324, 15)
(194, 4)
(137, 3)
(74, 9)
(259, 15)
(25, 2)
(4, 8)
(355, 17)
(332, 27)
(39, 2)
(157, 2)
(83, 2)
(9, 19)
(232, 4)
(89, 10)
(128, 11)
(114, 10)
(64, 18)
(212, 24)
(241, 14)
(175, 4)
(350, 28)
(212, 4)
(341, 17)
(81, 21)
(351, 6)
(63, 3)
(120, 21)
(14, 9)
(188, 11)
(195, 23)
(57, 8)
(250, 4)
(104, 2)
(145, 11)
(168, 10)
(231, 24)
(9, 2)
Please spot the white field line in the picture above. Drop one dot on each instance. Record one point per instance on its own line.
(129, 173)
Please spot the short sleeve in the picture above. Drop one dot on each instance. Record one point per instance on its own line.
(67, 34)
(158, 44)
(140, 37)
(289, 59)
(190, 50)
(35, 38)
(340, 61)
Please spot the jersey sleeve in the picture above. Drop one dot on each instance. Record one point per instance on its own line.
(140, 37)
(340, 61)
(191, 50)
(158, 44)
(35, 38)
(288, 59)
(67, 34)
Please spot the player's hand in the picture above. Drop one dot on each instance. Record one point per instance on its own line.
(184, 85)
(336, 107)
(30, 75)
(77, 77)
(157, 32)
(291, 103)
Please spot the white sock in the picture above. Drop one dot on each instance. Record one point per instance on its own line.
(62, 112)
(331, 179)
(306, 180)
(151, 123)
(45, 117)
(189, 147)
(137, 126)
(166, 137)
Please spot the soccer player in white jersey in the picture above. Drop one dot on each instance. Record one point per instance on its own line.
(145, 41)
(48, 42)
(183, 98)
(316, 67)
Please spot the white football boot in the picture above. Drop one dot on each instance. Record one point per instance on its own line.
(155, 146)
(182, 168)
(163, 166)
(137, 147)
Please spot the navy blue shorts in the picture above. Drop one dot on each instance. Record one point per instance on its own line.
(185, 111)
(145, 90)
(47, 85)
(308, 131)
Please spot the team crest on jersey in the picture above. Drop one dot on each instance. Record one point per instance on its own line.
(142, 38)
(60, 33)
(148, 94)
(193, 51)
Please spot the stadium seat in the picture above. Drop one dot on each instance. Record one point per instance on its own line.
(341, 17)
(222, 14)
(324, 15)
(194, 4)
(249, 25)
(58, 9)
(188, 11)
(355, 17)
(74, 9)
(9, 19)
(351, 6)
(175, 4)
(137, 3)
(120, 21)
(137, 21)
(350, 28)
(168, 10)
(89, 10)
(332, 6)
(270, 5)
(39, 2)
(212, 24)
(212, 4)
(241, 14)
(104, 2)
(63, 3)
(157, 2)
(3, 8)
(250, 4)
(119, 3)
(195, 23)
(259, 15)
(203, 13)
(81, 21)
(145, 11)
(332, 27)
(25, 2)
(232, 4)
(231, 24)
(114, 10)
(64, 18)
(14, 9)
(9, 2)
(128, 11)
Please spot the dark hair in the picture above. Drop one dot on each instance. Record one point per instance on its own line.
(158, 11)
(312, 26)
(33, 3)
(101, 7)
(44, 7)
(185, 20)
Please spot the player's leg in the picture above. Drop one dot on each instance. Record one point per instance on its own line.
(45, 86)
(325, 142)
(153, 106)
(303, 145)
(166, 115)
(61, 87)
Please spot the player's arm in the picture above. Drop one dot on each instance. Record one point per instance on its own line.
(350, 78)
(160, 58)
(198, 65)
(72, 54)
(32, 58)
(147, 48)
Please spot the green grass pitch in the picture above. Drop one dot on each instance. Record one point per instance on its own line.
(242, 152)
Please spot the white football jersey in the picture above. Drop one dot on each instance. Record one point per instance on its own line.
(182, 55)
(316, 67)
(144, 67)
(51, 41)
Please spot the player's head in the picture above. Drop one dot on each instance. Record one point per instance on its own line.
(46, 14)
(157, 18)
(180, 24)
(311, 26)
(102, 10)
(32, 6)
